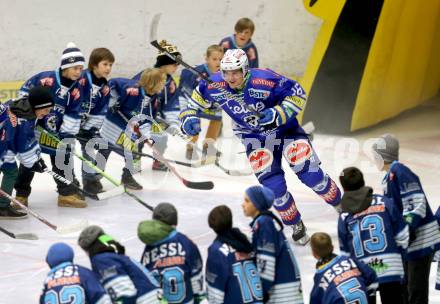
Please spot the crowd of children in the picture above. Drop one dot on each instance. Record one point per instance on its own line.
(387, 242)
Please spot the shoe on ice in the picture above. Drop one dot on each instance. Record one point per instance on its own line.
(9, 213)
(21, 199)
(92, 186)
(191, 154)
(159, 166)
(72, 201)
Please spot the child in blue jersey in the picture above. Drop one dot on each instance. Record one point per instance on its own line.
(133, 104)
(168, 106)
(95, 93)
(64, 120)
(404, 187)
(171, 256)
(241, 39)
(372, 230)
(276, 262)
(67, 281)
(231, 274)
(126, 281)
(340, 279)
(188, 82)
(263, 106)
(21, 140)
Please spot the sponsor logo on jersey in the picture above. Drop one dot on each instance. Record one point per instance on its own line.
(331, 194)
(132, 91)
(297, 101)
(263, 82)
(197, 98)
(217, 84)
(75, 94)
(47, 81)
(82, 81)
(260, 159)
(298, 152)
(260, 94)
(218, 97)
(289, 214)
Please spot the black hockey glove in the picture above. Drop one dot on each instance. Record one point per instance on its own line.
(39, 166)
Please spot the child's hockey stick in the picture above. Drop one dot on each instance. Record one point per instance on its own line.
(206, 185)
(22, 236)
(62, 230)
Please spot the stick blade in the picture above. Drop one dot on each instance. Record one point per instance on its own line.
(73, 228)
(155, 44)
(199, 185)
(111, 193)
(26, 236)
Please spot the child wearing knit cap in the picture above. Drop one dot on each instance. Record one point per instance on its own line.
(171, 256)
(404, 187)
(230, 267)
(17, 128)
(125, 280)
(67, 280)
(63, 121)
(276, 262)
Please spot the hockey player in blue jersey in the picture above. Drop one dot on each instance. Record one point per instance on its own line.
(372, 229)
(22, 114)
(241, 39)
(131, 100)
(268, 128)
(63, 120)
(126, 281)
(67, 281)
(404, 187)
(340, 279)
(168, 106)
(437, 255)
(95, 94)
(188, 82)
(231, 274)
(276, 262)
(171, 256)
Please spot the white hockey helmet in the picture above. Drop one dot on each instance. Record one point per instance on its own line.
(234, 59)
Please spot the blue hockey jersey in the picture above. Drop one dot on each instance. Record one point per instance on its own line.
(132, 101)
(343, 280)
(64, 118)
(250, 49)
(276, 262)
(376, 236)
(188, 82)
(168, 106)
(231, 276)
(125, 279)
(95, 99)
(263, 89)
(404, 187)
(177, 263)
(7, 138)
(67, 282)
(24, 144)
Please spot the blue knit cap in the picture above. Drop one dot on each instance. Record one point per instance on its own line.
(262, 197)
(59, 253)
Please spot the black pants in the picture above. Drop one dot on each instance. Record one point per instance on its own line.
(25, 176)
(417, 278)
(392, 293)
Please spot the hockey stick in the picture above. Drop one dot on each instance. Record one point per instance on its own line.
(69, 183)
(91, 165)
(122, 151)
(228, 94)
(62, 230)
(206, 185)
(22, 236)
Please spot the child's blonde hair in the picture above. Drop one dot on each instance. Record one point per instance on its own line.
(321, 244)
(214, 48)
(152, 79)
(244, 24)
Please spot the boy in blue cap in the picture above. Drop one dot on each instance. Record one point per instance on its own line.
(67, 280)
(276, 262)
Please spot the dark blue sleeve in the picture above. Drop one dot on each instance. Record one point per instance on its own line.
(95, 292)
(217, 276)
(196, 264)
(316, 295)
(400, 228)
(143, 280)
(343, 235)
